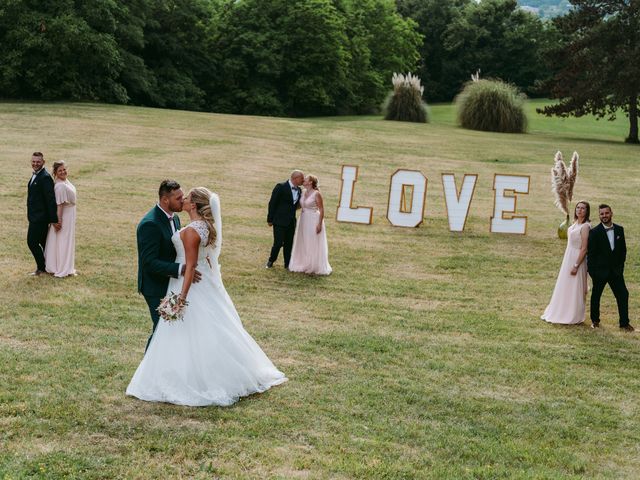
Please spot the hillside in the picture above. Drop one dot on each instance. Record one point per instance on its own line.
(422, 356)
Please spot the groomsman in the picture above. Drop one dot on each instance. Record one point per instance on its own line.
(606, 254)
(41, 210)
(285, 200)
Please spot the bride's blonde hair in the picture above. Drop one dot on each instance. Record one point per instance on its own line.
(201, 196)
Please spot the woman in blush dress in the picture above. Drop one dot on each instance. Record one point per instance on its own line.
(60, 248)
(310, 251)
(567, 304)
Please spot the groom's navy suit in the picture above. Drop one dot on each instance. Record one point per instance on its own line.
(41, 211)
(607, 266)
(282, 214)
(156, 259)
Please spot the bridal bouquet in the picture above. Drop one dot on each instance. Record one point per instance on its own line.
(171, 308)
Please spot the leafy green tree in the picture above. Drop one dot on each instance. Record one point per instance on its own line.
(381, 43)
(439, 70)
(310, 57)
(60, 50)
(175, 49)
(462, 36)
(500, 39)
(599, 69)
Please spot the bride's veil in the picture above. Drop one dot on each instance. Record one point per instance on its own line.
(214, 203)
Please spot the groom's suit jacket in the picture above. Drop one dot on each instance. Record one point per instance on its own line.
(41, 199)
(601, 260)
(156, 253)
(282, 210)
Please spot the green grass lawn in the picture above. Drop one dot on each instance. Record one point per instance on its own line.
(421, 356)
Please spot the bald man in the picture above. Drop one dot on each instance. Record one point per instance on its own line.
(285, 200)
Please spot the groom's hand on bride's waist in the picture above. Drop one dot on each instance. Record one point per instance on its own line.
(196, 274)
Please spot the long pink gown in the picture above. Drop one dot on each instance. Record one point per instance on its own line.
(567, 304)
(60, 249)
(310, 252)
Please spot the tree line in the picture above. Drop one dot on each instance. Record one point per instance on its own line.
(316, 57)
(271, 57)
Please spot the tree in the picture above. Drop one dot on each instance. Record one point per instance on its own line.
(56, 50)
(438, 68)
(381, 43)
(600, 72)
(500, 39)
(309, 57)
(462, 36)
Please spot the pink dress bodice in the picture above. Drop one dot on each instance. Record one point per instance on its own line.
(308, 201)
(574, 239)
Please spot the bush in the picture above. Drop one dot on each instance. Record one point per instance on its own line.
(405, 102)
(491, 106)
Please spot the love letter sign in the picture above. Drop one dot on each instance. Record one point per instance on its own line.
(408, 194)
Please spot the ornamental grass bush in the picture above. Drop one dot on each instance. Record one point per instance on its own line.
(405, 102)
(491, 106)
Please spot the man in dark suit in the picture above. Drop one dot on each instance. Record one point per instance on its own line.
(285, 200)
(156, 253)
(606, 254)
(41, 210)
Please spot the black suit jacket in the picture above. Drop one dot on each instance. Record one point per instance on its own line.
(41, 199)
(282, 210)
(601, 260)
(156, 253)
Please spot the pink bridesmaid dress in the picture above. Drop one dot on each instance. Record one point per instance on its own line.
(60, 249)
(310, 252)
(567, 304)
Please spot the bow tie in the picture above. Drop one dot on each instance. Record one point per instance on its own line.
(606, 229)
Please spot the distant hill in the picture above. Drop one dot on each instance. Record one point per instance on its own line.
(546, 8)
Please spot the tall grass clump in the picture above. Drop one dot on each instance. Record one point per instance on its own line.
(405, 102)
(491, 106)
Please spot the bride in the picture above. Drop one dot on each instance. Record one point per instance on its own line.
(208, 358)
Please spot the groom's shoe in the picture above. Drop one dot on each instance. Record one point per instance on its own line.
(595, 325)
(627, 328)
(269, 264)
(36, 273)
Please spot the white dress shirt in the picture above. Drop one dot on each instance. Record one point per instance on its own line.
(610, 236)
(33, 177)
(294, 192)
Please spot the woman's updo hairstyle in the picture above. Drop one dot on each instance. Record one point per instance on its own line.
(56, 166)
(200, 196)
(314, 181)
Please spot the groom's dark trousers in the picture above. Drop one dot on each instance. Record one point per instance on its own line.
(41, 211)
(606, 266)
(156, 260)
(282, 214)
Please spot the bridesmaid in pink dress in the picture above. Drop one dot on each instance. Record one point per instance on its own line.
(310, 252)
(567, 304)
(59, 252)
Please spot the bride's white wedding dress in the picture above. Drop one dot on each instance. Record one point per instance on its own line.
(208, 358)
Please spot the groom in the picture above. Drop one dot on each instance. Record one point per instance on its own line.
(606, 254)
(41, 210)
(156, 253)
(285, 200)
